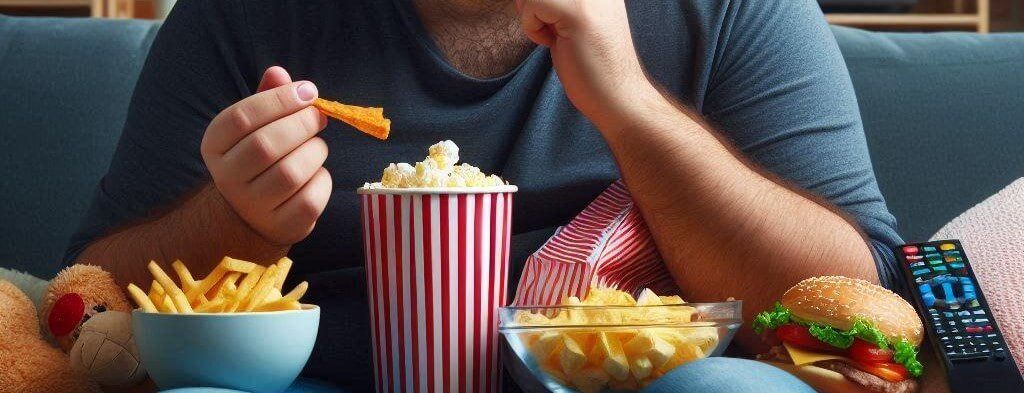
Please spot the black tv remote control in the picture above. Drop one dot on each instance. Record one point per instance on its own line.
(957, 318)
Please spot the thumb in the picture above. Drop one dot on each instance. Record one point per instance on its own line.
(273, 77)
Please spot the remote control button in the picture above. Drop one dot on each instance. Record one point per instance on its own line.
(980, 320)
(993, 335)
(973, 329)
(917, 264)
(920, 272)
(941, 331)
(956, 265)
(909, 250)
(988, 328)
(914, 257)
(928, 249)
(935, 262)
(952, 259)
(947, 290)
(947, 314)
(939, 268)
(951, 253)
(965, 280)
(933, 255)
(964, 313)
(947, 247)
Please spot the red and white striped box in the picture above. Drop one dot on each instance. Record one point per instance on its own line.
(606, 245)
(436, 268)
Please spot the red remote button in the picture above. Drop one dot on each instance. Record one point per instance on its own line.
(973, 329)
(909, 250)
(988, 328)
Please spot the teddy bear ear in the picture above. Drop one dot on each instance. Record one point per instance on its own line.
(66, 313)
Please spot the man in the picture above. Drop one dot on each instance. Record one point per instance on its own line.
(734, 125)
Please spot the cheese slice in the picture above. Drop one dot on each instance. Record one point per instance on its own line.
(802, 356)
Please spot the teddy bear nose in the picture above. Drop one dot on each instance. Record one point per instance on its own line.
(66, 313)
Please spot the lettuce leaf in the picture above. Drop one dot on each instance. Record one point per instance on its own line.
(772, 319)
(905, 354)
(828, 334)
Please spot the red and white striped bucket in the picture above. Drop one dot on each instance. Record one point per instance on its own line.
(436, 268)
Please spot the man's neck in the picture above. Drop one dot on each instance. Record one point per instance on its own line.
(480, 38)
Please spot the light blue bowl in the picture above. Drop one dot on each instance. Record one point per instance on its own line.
(253, 352)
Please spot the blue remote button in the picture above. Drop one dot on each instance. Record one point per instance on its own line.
(940, 268)
(929, 249)
(947, 290)
(919, 272)
(956, 265)
(965, 280)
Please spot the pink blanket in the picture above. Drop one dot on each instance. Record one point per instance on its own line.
(993, 236)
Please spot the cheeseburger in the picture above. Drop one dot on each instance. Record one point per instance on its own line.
(844, 335)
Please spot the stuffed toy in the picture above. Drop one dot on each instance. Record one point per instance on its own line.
(80, 340)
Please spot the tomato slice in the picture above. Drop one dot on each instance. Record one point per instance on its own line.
(892, 372)
(867, 352)
(799, 336)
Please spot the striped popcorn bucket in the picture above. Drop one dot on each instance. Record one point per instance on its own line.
(436, 268)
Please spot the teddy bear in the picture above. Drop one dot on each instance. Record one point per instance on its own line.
(80, 340)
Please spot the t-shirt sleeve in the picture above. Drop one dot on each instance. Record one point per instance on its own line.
(780, 88)
(195, 68)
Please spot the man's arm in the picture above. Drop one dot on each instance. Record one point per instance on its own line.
(269, 188)
(724, 227)
(201, 231)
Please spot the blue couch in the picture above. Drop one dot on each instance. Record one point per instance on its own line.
(942, 114)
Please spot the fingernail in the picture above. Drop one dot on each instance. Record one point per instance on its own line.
(306, 91)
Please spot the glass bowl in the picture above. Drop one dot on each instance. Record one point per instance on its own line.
(610, 348)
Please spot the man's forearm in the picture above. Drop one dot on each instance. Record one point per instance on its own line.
(199, 232)
(724, 227)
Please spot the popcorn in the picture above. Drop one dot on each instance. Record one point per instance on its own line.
(440, 169)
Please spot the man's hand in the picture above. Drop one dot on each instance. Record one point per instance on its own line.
(267, 161)
(592, 51)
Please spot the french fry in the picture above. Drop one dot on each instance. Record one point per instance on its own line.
(141, 299)
(279, 305)
(262, 289)
(184, 276)
(167, 306)
(298, 291)
(181, 303)
(244, 287)
(231, 286)
(238, 265)
(283, 266)
(228, 281)
(226, 265)
(274, 295)
(212, 306)
(156, 292)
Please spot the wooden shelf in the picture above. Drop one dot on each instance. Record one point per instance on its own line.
(978, 20)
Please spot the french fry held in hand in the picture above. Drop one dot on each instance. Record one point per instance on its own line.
(232, 286)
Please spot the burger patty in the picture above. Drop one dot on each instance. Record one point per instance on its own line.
(868, 380)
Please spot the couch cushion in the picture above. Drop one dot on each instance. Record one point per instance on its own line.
(943, 117)
(64, 91)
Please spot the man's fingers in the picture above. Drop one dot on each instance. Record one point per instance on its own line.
(255, 111)
(259, 150)
(273, 77)
(543, 20)
(283, 180)
(298, 215)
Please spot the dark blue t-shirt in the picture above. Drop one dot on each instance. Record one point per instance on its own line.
(767, 74)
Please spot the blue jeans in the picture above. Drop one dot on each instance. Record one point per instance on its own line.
(727, 375)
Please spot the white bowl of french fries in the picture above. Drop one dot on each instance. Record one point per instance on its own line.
(611, 342)
(234, 328)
